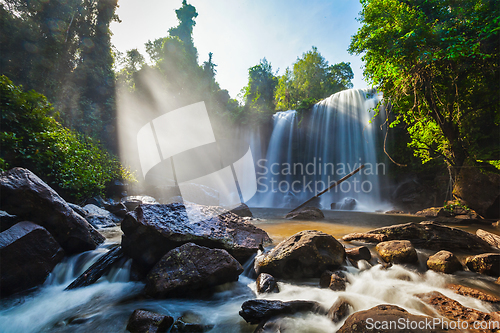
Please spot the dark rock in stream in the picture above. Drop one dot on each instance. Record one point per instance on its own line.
(258, 310)
(486, 263)
(242, 210)
(98, 269)
(190, 322)
(24, 194)
(444, 262)
(142, 321)
(358, 253)
(153, 230)
(307, 254)
(339, 310)
(397, 252)
(428, 235)
(336, 281)
(28, 253)
(385, 315)
(189, 269)
(306, 213)
(266, 283)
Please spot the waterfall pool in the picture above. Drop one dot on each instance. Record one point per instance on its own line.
(107, 305)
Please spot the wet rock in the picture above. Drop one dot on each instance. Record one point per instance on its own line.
(190, 322)
(100, 218)
(382, 316)
(486, 263)
(190, 268)
(492, 239)
(152, 230)
(133, 201)
(273, 325)
(28, 253)
(266, 283)
(453, 310)
(497, 281)
(431, 236)
(79, 210)
(479, 191)
(117, 208)
(358, 253)
(306, 213)
(258, 310)
(7, 220)
(434, 212)
(339, 310)
(242, 210)
(24, 194)
(472, 292)
(397, 252)
(360, 236)
(348, 204)
(444, 262)
(336, 281)
(307, 254)
(142, 321)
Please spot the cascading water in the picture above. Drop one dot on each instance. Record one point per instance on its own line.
(335, 138)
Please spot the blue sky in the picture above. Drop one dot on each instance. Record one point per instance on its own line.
(240, 33)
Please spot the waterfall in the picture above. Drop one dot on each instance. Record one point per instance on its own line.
(308, 152)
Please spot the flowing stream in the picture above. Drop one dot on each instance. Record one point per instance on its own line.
(107, 305)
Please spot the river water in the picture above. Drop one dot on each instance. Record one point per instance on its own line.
(107, 305)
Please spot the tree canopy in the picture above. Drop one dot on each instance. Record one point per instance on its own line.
(310, 80)
(436, 61)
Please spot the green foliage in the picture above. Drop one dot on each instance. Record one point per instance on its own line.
(63, 50)
(67, 160)
(311, 80)
(259, 93)
(436, 61)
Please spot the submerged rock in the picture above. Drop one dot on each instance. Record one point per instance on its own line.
(24, 194)
(486, 263)
(444, 262)
(336, 281)
(258, 310)
(397, 252)
(190, 322)
(428, 235)
(306, 213)
(307, 254)
(387, 318)
(339, 310)
(191, 268)
(152, 230)
(143, 321)
(266, 283)
(28, 253)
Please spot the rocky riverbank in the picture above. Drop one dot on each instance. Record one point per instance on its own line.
(176, 258)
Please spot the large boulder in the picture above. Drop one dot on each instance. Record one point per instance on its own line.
(397, 252)
(24, 194)
(486, 263)
(28, 253)
(444, 262)
(306, 213)
(378, 319)
(258, 310)
(307, 254)
(143, 321)
(479, 190)
(492, 239)
(152, 230)
(191, 268)
(427, 235)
